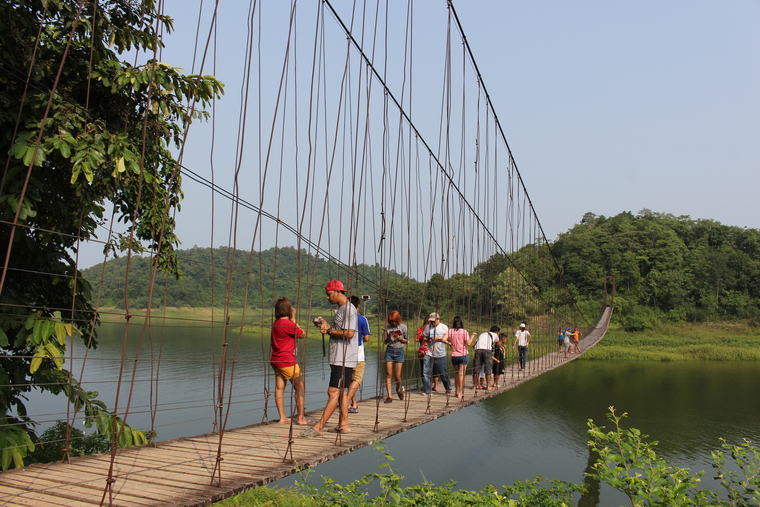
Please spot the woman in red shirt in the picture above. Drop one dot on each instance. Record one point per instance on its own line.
(285, 332)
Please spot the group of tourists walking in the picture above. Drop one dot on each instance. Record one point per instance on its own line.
(567, 339)
(347, 334)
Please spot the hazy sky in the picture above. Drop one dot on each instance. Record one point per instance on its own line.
(607, 106)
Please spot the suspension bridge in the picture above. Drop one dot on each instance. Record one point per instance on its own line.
(198, 470)
(362, 142)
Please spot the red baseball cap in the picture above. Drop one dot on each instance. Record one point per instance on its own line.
(335, 285)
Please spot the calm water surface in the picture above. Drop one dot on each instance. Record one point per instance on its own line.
(540, 428)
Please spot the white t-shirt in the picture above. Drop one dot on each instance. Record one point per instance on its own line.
(522, 337)
(486, 340)
(345, 352)
(436, 348)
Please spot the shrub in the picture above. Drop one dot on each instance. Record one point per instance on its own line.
(52, 441)
(629, 463)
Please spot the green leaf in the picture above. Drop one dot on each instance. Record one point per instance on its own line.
(55, 355)
(138, 437)
(65, 150)
(7, 458)
(3, 339)
(39, 355)
(104, 424)
(61, 332)
(34, 155)
(125, 440)
(47, 329)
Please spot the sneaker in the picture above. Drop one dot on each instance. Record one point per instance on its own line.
(423, 393)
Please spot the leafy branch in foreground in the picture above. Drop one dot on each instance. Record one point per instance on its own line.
(82, 130)
(742, 486)
(534, 493)
(628, 463)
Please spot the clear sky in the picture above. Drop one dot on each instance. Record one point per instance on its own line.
(607, 106)
(620, 106)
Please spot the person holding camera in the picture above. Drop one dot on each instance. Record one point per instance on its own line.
(343, 357)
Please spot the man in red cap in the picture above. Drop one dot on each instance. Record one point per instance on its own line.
(344, 354)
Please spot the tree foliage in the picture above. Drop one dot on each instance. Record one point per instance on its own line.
(214, 277)
(665, 266)
(80, 128)
(628, 462)
(53, 441)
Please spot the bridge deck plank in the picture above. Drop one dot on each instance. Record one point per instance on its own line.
(182, 472)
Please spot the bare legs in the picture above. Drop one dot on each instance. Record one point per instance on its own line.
(476, 381)
(393, 369)
(459, 380)
(334, 395)
(388, 372)
(279, 398)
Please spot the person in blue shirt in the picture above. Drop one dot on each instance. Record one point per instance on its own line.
(358, 375)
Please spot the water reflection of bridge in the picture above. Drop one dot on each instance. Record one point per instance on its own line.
(185, 472)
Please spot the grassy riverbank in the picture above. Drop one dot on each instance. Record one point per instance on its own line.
(116, 315)
(721, 341)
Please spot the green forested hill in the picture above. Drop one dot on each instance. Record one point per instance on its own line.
(272, 273)
(666, 267)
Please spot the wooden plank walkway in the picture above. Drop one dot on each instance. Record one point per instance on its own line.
(181, 472)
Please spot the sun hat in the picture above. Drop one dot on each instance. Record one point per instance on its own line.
(522, 325)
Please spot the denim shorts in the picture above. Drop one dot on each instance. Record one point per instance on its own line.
(457, 360)
(394, 354)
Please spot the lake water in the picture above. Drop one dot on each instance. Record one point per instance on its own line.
(540, 427)
(536, 429)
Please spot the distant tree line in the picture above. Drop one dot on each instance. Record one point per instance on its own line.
(215, 277)
(666, 268)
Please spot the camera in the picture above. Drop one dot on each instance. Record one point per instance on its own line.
(317, 321)
(365, 297)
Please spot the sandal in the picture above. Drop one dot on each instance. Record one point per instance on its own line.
(388, 400)
(400, 393)
(352, 410)
(310, 432)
